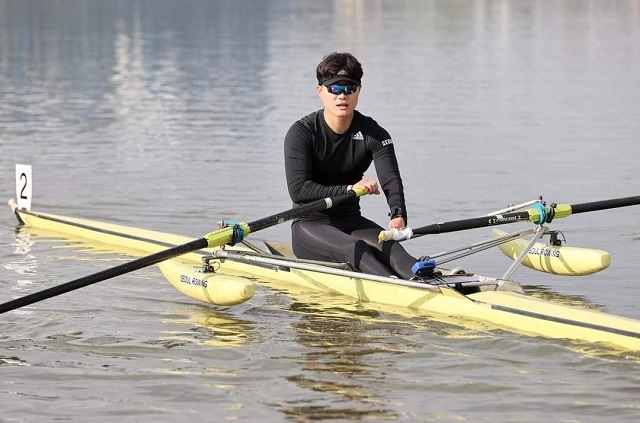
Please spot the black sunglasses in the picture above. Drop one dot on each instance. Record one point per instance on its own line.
(336, 89)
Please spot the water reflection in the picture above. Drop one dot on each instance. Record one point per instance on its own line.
(548, 294)
(346, 343)
(353, 348)
(25, 262)
(96, 65)
(211, 327)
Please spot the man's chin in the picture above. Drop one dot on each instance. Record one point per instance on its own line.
(343, 112)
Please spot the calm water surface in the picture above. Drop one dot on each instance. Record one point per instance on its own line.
(170, 115)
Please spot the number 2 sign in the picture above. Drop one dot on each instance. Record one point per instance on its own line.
(24, 186)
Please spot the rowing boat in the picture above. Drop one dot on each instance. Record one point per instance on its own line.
(221, 267)
(500, 303)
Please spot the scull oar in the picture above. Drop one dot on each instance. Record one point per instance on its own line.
(537, 215)
(228, 235)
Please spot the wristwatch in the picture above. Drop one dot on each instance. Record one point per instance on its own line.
(396, 212)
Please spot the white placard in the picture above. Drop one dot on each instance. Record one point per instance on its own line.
(24, 186)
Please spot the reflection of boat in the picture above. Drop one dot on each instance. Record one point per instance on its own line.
(211, 327)
(340, 342)
(26, 263)
(463, 297)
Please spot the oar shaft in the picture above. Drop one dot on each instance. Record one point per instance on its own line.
(225, 235)
(472, 223)
(530, 215)
(303, 210)
(103, 275)
(605, 204)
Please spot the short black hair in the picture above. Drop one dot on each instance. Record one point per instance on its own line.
(336, 67)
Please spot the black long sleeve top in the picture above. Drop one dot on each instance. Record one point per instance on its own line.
(320, 163)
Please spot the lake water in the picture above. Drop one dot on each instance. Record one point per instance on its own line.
(170, 115)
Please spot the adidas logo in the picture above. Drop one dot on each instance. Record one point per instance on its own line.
(358, 136)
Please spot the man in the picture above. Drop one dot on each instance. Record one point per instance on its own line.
(327, 153)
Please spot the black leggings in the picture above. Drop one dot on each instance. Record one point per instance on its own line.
(351, 239)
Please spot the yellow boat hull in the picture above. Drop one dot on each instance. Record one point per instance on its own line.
(501, 309)
(557, 260)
